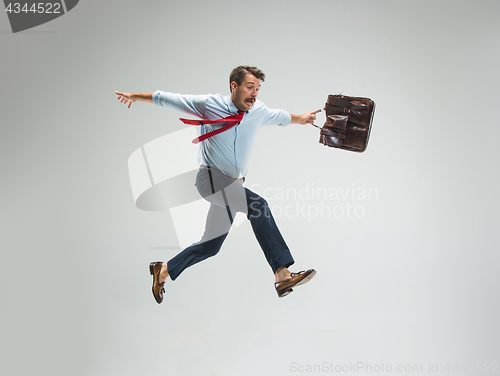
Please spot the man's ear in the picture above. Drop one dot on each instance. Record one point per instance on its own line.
(233, 85)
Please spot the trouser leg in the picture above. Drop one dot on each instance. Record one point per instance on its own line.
(267, 233)
(216, 229)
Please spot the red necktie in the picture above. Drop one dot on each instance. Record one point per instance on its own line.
(233, 120)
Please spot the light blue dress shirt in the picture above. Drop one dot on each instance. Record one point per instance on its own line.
(230, 150)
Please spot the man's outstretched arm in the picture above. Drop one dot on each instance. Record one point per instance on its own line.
(129, 98)
(305, 118)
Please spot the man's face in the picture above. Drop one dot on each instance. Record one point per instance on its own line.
(244, 95)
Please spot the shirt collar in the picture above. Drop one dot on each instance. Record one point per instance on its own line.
(231, 106)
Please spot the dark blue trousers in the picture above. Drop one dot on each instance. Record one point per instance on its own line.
(227, 198)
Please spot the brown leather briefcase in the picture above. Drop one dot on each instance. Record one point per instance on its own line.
(348, 122)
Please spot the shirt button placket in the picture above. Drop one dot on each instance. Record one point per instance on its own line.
(236, 146)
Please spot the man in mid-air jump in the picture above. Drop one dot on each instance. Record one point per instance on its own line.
(229, 125)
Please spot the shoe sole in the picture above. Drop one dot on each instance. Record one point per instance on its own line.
(306, 279)
(285, 293)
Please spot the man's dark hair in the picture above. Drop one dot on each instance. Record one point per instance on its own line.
(238, 74)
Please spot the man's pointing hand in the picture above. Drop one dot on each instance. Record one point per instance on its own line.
(127, 98)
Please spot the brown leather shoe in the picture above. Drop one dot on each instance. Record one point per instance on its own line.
(158, 290)
(283, 288)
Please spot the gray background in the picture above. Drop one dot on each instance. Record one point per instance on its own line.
(414, 281)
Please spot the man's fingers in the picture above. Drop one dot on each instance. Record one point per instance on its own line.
(124, 99)
(312, 116)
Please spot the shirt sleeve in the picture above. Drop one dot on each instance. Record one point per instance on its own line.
(194, 105)
(277, 117)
